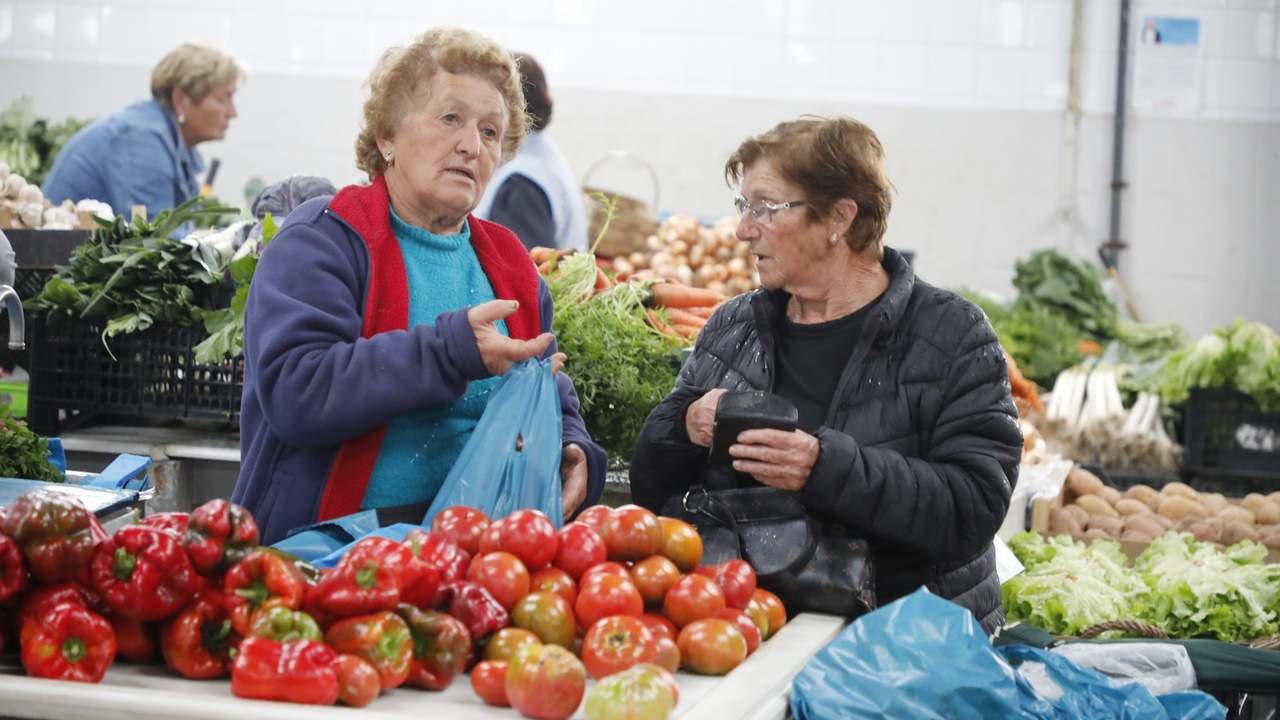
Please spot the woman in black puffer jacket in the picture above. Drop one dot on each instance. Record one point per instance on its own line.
(908, 434)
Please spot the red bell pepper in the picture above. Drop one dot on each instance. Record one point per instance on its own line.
(135, 640)
(220, 535)
(39, 600)
(284, 625)
(199, 642)
(262, 579)
(439, 551)
(56, 534)
(419, 581)
(358, 682)
(303, 671)
(382, 639)
(70, 642)
(441, 647)
(144, 573)
(13, 570)
(476, 608)
(364, 582)
(174, 522)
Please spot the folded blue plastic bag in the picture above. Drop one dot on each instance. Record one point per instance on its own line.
(925, 657)
(312, 542)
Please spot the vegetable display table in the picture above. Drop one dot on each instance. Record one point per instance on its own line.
(757, 689)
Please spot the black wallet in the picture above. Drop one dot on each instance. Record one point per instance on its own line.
(748, 410)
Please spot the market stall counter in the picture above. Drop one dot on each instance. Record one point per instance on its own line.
(756, 690)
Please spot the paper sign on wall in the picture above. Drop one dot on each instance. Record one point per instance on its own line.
(1168, 65)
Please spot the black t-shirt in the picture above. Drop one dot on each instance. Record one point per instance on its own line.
(811, 359)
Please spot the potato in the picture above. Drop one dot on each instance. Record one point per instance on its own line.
(1096, 505)
(1268, 514)
(1273, 497)
(1206, 531)
(1096, 534)
(1270, 536)
(1110, 494)
(1178, 507)
(1235, 531)
(1253, 501)
(1112, 526)
(1061, 521)
(1235, 513)
(1080, 514)
(1144, 494)
(1136, 536)
(1184, 524)
(1213, 502)
(1083, 482)
(1145, 524)
(1160, 520)
(1183, 489)
(1129, 506)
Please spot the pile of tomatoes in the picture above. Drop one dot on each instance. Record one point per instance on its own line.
(619, 595)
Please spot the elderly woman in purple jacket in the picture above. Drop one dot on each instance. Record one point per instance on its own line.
(380, 318)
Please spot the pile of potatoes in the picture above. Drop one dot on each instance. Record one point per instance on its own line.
(1143, 513)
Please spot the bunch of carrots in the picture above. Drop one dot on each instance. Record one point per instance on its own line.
(673, 309)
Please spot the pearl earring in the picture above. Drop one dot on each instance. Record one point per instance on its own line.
(835, 238)
(182, 119)
(391, 158)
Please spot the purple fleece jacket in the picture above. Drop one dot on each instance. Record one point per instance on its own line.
(311, 381)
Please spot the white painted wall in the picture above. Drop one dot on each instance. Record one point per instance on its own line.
(967, 95)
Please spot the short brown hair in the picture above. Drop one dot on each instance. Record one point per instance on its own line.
(829, 160)
(400, 77)
(197, 69)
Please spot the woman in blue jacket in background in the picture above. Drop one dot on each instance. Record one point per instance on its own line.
(380, 318)
(145, 154)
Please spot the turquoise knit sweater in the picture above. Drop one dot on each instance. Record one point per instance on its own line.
(420, 447)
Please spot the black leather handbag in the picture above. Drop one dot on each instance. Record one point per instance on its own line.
(770, 529)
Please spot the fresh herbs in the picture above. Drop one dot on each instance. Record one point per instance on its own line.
(1068, 287)
(23, 454)
(226, 326)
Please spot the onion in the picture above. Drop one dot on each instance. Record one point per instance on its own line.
(639, 259)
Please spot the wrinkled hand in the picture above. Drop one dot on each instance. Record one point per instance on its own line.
(573, 477)
(700, 418)
(557, 362)
(776, 458)
(498, 351)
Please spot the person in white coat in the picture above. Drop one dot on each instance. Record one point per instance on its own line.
(536, 194)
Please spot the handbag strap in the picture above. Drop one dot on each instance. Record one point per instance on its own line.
(697, 501)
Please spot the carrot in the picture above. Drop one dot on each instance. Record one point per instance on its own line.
(1089, 347)
(658, 324)
(545, 267)
(671, 295)
(602, 280)
(687, 331)
(540, 255)
(683, 317)
(702, 311)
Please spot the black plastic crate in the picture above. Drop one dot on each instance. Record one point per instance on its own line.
(153, 374)
(1228, 435)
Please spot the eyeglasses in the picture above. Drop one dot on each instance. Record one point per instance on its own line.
(762, 210)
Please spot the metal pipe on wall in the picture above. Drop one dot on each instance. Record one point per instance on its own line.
(1109, 251)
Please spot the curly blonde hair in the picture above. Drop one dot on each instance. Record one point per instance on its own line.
(197, 69)
(829, 159)
(398, 84)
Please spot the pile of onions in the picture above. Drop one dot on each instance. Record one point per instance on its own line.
(686, 251)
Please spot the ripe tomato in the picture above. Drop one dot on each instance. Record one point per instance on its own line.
(640, 693)
(553, 579)
(693, 597)
(772, 605)
(489, 681)
(745, 625)
(441, 553)
(653, 576)
(530, 536)
(604, 568)
(736, 578)
(681, 543)
(659, 625)
(464, 525)
(503, 575)
(615, 643)
(607, 594)
(632, 533)
(546, 615)
(668, 653)
(711, 646)
(358, 682)
(595, 517)
(491, 538)
(580, 547)
(545, 682)
(504, 643)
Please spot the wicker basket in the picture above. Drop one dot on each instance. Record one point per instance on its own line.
(633, 221)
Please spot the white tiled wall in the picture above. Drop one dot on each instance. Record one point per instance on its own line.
(968, 96)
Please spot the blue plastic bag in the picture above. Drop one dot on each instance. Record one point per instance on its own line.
(313, 542)
(512, 460)
(925, 657)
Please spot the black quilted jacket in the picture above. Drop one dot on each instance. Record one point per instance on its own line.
(921, 445)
